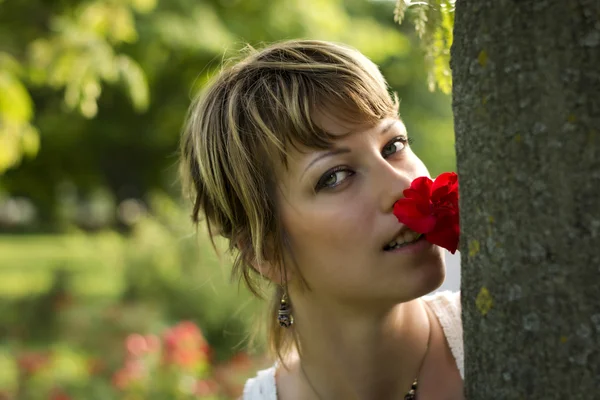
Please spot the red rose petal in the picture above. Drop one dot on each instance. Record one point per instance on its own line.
(447, 179)
(421, 185)
(431, 207)
(446, 233)
(408, 208)
(416, 216)
(421, 225)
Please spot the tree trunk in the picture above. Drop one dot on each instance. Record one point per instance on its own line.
(526, 101)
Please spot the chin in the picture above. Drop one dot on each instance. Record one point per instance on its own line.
(420, 281)
(431, 276)
(434, 284)
(423, 275)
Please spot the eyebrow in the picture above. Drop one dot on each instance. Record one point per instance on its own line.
(343, 150)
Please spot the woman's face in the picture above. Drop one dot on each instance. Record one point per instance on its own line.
(336, 206)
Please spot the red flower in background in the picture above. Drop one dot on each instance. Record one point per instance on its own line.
(133, 372)
(137, 345)
(182, 346)
(185, 346)
(32, 362)
(58, 394)
(431, 208)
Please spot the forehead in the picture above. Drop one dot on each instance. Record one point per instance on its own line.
(337, 128)
(342, 131)
(339, 125)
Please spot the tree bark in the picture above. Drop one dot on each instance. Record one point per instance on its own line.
(526, 102)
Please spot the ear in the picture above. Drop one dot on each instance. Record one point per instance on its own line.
(271, 271)
(269, 267)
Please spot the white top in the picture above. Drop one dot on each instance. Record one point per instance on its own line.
(445, 305)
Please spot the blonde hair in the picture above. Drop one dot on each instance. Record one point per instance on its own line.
(241, 128)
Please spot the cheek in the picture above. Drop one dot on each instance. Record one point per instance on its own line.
(330, 232)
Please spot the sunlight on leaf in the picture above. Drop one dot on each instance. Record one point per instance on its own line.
(88, 108)
(15, 104)
(15, 284)
(9, 369)
(30, 141)
(433, 21)
(201, 30)
(123, 26)
(143, 6)
(9, 151)
(390, 42)
(80, 55)
(17, 136)
(135, 80)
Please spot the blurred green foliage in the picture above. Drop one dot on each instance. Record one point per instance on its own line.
(95, 241)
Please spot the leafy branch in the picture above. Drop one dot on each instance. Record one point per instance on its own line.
(433, 21)
(77, 57)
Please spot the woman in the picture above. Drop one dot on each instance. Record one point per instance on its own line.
(296, 155)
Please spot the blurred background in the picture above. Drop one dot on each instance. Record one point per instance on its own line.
(106, 289)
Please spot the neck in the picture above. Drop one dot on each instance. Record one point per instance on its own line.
(361, 355)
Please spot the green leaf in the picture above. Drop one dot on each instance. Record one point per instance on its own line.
(10, 64)
(202, 30)
(9, 149)
(389, 43)
(134, 78)
(15, 103)
(400, 10)
(17, 136)
(143, 6)
(17, 284)
(123, 26)
(17, 140)
(433, 21)
(30, 141)
(9, 370)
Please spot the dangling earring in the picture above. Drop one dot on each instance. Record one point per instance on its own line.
(284, 316)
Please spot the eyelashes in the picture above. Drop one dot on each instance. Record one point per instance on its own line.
(337, 175)
(325, 181)
(394, 142)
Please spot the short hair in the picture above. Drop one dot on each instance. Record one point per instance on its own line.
(241, 127)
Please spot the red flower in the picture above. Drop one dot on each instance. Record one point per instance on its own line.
(185, 345)
(431, 208)
(133, 371)
(58, 394)
(32, 362)
(136, 345)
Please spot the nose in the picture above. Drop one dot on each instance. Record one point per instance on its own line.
(391, 182)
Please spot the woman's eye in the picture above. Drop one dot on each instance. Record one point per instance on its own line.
(333, 178)
(394, 146)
